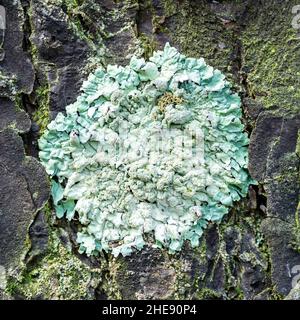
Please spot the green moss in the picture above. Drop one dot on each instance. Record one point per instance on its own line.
(149, 44)
(199, 33)
(258, 51)
(271, 54)
(33, 50)
(182, 283)
(83, 25)
(296, 230)
(170, 7)
(158, 24)
(207, 294)
(110, 280)
(59, 275)
(239, 293)
(48, 211)
(42, 95)
(42, 115)
(75, 16)
(275, 295)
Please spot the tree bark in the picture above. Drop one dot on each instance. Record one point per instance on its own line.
(48, 49)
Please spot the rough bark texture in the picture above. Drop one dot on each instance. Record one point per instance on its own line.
(50, 46)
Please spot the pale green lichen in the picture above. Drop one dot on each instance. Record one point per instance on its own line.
(153, 147)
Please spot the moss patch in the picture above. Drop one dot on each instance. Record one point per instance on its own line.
(273, 70)
(60, 275)
(42, 115)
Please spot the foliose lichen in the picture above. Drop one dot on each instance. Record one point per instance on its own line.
(154, 147)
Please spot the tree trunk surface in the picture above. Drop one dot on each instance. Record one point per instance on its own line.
(47, 50)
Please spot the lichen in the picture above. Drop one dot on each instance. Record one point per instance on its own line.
(154, 147)
(7, 85)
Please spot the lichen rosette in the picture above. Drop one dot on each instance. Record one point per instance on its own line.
(154, 148)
